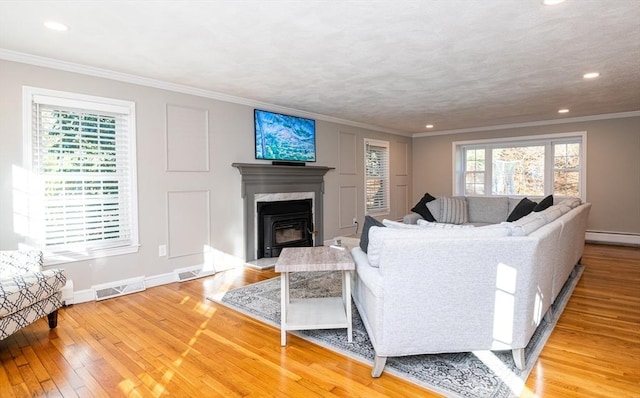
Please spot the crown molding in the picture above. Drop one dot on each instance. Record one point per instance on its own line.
(531, 124)
(52, 63)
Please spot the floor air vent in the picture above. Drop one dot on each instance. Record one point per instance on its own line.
(187, 274)
(119, 288)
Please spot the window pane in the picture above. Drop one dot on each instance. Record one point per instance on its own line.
(566, 183)
(518, 171)
(474, 183)
(475, 160)
(566, 176)
(376, 176)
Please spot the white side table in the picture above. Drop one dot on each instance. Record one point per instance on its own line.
(315, 313)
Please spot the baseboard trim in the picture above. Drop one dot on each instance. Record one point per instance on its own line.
(86, 295)
(614, 238)
(83, 296)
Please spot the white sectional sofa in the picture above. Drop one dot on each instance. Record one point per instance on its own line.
(437, 288)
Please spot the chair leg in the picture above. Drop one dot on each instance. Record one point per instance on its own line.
(53, 319)
(378, 366)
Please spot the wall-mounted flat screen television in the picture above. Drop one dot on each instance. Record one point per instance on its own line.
(284, 138)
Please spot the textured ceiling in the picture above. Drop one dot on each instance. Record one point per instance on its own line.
(395, 65)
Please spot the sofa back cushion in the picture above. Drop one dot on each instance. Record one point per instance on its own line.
(534, 220)
(450, 210)
(427, 224)
(485, 209)
(421, 236)
(570, 202)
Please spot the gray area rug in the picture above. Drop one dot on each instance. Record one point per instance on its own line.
(477, 374)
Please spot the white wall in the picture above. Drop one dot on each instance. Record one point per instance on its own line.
(178, 208)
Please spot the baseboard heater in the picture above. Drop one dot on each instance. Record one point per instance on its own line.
(189, 273)
(119, 288)
(614, 238)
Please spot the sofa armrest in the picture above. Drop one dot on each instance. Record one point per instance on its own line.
(16, 262)
(21, 291)
(412, 218)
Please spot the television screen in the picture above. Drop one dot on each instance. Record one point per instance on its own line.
(285, 138)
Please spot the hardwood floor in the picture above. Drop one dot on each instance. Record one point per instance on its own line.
(170, 340)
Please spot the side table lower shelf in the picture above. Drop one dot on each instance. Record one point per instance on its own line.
(316, 313)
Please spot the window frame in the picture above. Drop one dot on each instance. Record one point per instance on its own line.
(35, 234)
(385, 209)
(547, 140)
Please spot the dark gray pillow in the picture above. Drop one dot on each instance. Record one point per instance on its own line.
(421, 207)
(524, 207)
(544, 203)
(368, 223)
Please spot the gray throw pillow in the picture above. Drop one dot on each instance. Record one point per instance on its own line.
(364, 238)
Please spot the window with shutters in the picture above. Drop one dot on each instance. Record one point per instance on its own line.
(81, 154)
(376, 173)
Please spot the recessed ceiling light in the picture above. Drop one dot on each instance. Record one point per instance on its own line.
(563, 111)
(591, 75)
(429, 126)
(551, 2)
(53, 25)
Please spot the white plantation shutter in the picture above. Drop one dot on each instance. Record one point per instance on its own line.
(377, 176)
(83, 155)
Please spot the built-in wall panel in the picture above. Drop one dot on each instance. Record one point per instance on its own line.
(400, 162)
(189, 229)
(348, 202)
(187, 141)
(347, 154)
(401, 198)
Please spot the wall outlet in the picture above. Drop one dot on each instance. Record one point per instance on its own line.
(162, 250)
(355, 220)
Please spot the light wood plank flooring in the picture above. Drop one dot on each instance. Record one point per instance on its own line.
(170, 340)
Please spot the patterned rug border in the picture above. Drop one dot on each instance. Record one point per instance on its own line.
(510, 377)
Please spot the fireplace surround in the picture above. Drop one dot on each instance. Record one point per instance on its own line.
(280, 183)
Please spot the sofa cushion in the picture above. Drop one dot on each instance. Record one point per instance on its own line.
(421, 207)
(364, 238)
(454, 211)
(398, 224)
(553, 212)
(526, 224)
(524, 207)
(487, 209)
(544, 203)
(18, 262)
(571, 202)
(377, 236)
(427, 224)
(411, 218)
(451, 210)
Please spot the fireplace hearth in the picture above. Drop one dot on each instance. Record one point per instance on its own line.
(281, 224)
